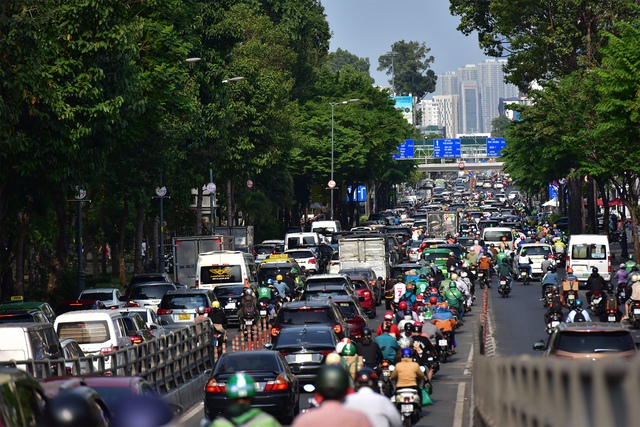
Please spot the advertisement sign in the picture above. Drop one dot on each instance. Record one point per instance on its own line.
(405, 105)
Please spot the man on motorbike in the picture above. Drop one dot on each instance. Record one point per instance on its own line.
(452, 261)
(555, 306)
(461, 285)
(399, 290)
(635, 293)
(283, 289)
(219, 319)
(464, 277)
(546, 263)
(578, 313)
(595, 283)
(570, 283)
(267, 297)
(378, 408)
(388, 345)
(622, 274)
(630, 263)
(485, 264)
(422, 284)
(422, 348)
(505, 270)
(353, 361)
(248, 306)
(369, 350)
(524, 261)
(549, 279)
(407, 372)
(409, 295)
(403, 312)
(393, 329)
(455, 299)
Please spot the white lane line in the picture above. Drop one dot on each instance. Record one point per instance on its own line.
(191, 413)
(467, 367)
(459, 411)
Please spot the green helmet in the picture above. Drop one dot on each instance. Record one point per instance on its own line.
(524, 252)
(294, 271)
(349, 350)
(452, 285)
(332, 382)
(240, 385)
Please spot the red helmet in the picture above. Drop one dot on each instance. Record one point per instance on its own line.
(388, 315)
(433, 300)
(420, 297)
(402, 305)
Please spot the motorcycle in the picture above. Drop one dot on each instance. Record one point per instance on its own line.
(554, 321)
(444, 346)
(504, 289)
(217, 342)
(386, 388)
(570, 300)
(407, 401)
(612, 315)
(548, 296)
(621, 293)
(523, 275)
(484, 279)
(634, 314)
(597, 303)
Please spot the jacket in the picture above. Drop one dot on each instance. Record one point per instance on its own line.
(370, 352)
(484, 263)
(218, 317)
(251, 417)
(407, 373)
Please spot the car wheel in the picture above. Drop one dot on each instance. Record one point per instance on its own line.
(372, 314)
(288, 419)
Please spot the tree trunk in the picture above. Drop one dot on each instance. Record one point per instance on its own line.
(137, 260)
(575, 206)
(60, 257)
(18, 284)
(605, 204)
(592, 206)
(230, 210)
(199, 212)
(121, 244)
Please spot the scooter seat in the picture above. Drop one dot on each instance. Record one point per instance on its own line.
(407, 390)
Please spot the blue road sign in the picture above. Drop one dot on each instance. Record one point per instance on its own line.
(361, 194)
(470, 174)
(406, 150)
(446, 148)
(494, 146)
(553, 191)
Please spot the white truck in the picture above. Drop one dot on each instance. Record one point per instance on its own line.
(185, 255)
(365, 251)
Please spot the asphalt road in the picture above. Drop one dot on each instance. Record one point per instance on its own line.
(452, 384)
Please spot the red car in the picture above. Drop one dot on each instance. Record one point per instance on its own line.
(364, 290)
(78, 304)
(353, 314)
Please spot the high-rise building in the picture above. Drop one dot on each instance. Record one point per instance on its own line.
(448, 84)
(448, 107)
(493, 89)
(471, 108)
(430, 112)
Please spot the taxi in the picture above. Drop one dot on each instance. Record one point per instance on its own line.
(17, 302)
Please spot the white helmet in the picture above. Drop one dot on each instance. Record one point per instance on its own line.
(622, 266)
(464, 274)
(635, 277)
(454, 276)
(475, 242)
(405, 342)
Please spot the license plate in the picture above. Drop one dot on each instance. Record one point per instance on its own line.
(263, 312)
(443, 342)
(554, 323)
(480, 274)
(185, 316)
(572, 297)
(523, 273)
(304, 357)
(386, 373)
(636, 311)
(230, 306)
(597, 300)
(406, 408)
(249, 322)
(622, 294)
(612, 318)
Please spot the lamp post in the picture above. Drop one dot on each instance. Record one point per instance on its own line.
(161, 193)
(332, 183)
(393, 53)
(79, 198)
(212, 196)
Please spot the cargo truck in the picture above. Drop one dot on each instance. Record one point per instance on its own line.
(365, 251)
(186, 251)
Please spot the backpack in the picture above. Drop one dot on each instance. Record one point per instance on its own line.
(579, 317)
(248, 309)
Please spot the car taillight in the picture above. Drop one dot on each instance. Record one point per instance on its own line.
(326, 352)
(135, 339)
(609, 262)
(207, 309)
(337, 328)
(275, 332)
(214, 386)
(197, 284)
(367, 294)
(312, 261)
(162, 311)
(132, 304)
(283, 353)
(278, 384)
(68, 370)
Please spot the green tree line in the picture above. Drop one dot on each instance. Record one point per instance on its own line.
(99, 95)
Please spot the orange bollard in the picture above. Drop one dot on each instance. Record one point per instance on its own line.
(224, 347)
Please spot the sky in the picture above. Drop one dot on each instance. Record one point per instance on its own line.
(368, 28)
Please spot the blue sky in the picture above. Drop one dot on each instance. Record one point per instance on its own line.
(368, 28)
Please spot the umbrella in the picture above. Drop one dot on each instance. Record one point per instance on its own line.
(552, 202)
(316, 205)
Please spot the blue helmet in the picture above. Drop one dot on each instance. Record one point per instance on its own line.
(270, 282)
(578, 303)
(406, 352)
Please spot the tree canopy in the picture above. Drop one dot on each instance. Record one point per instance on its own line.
(409, 65)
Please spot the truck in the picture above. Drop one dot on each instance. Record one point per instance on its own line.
(441, 223)
(186, 251)
(365, 251)
(242, 237)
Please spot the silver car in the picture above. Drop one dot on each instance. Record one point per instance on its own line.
(110, 297)
(178, 308)
(149, 294)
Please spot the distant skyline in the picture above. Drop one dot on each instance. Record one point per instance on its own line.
(368, 28)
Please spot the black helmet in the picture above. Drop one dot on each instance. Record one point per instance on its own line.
(71, 408)
(423, 276)
(366, 333)
(550, 268)
(408, 327)
(416, 328)
(594, 270)
(367, 377)
(332, 382)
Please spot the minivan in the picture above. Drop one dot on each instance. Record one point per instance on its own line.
(96, 331)
(24, 341)
(295, 240)
(224, 268)
(495, 234)
(586, 251)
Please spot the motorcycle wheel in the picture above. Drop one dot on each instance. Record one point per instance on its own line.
(407, 422)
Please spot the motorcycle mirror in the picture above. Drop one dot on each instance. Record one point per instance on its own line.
(539, 345)
(422, 368)
(392, 368)
(268, 346)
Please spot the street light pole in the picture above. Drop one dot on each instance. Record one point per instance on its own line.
(393, 53)
(332, 182)
(161, 193)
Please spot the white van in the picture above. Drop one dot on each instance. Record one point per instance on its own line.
(494, 235)
(586, 251)
(96, 331)
(24, 341)
(224, 268)
(333, 226)
(295, 240)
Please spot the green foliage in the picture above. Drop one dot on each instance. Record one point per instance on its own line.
(409, 67)
(499, 126)
(338, 59)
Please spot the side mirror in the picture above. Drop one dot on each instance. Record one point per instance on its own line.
(539, 345)
(268, 346)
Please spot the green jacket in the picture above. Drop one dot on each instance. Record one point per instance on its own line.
(422, 287)
(252, 418)
(454, 298)
(505, 269)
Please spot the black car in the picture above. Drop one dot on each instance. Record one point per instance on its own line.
(306, 313)
(271, 270)
(229, 298)
(304, 349)
(277, 388)
(377, 283)
(23, 316)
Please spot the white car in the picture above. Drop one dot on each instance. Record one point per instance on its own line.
(305, 258)
(514, 194)
(535, 251)
(110, 297)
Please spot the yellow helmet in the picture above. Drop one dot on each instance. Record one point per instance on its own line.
(215, 304)
(279, 277)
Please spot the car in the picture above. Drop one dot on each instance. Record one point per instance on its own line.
(304, 348)
(23, 401)
(110, 297)
(304, 313)
(229, 298)
(271, 268)
(535, 251)
(366, 295)
(352, 313)
(262, 251)
(377, 283)
(149, 316)
(589, 341)
(23, 316)
(514, 195)
(324, 286)
(178, 308)
(279, 245)
(277, 388)
(334, 263)
(561, 224)
(149, 294)
(414, 252)
(137, 329)
(306, 258)
(78, 304)
(17, 302)
(149, 278)
(438, 256)
(71, 350)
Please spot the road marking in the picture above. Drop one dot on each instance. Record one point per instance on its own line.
(191, 412)
(459, 411)
(467, 367)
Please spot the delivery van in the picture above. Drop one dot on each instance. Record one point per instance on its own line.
(586, 251)
(24, 341)
(295, 240)
(225, 268)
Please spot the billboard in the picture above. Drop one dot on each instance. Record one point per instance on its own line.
(405, 105)
(405, 150)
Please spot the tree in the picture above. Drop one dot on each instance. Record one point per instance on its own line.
(409, 68)
(542, 40)
(499, 126)
(338, 59)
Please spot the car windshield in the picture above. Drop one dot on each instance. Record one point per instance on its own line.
(261, 250)
(538, 250)
(436, 257)
(348, 310)
(97, 295)
(305, 338)
(360, 284)
(589, 251)
(496, 235)
(247, 362)
(184, 302)
(365, 273)
(228, 291)
(305, 316)
(151, 292)
(325, 283)
(594, 342)
(84, 332)
(16, 318)
(300, 254)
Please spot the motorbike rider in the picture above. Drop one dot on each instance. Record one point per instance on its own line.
(570, 283)
(546, 263)
(485, 264)
(353, 361)
(622, 274)
(201, 315)
(578, 311)
(407, 372)
(524, 261)
(452, 261)
(283, 289)
(595, 283)
(268, 297)
(464, 277)
(506, 270)
(369, 349)
(393, 329)
(455, 299)
(476, 247)
(219, 319)
(410, 295)
(461, 285)
(388, 345)
(378, 408)
(555, 306)
(399, 290)
(404, 312)
(549, 279)
(630, 263)
(422, 285)
(635, 293)
(422, 348)
(248, 306)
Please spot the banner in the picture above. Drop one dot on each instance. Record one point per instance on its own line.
(405, 105)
